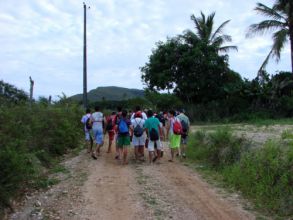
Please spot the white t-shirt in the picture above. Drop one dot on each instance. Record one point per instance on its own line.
(84, 119)
(143, 114)
(97, 119)
(136, 121)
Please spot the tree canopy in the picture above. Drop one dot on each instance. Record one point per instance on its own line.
(189, 66)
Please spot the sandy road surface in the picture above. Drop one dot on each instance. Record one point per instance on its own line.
(103, 189)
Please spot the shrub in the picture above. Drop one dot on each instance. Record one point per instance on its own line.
(31, 138)
(266, 175)
(218, 148)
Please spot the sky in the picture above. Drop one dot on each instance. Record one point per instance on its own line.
(44, 39)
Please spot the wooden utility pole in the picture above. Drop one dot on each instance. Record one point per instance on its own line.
(31, 90)
(84, 59)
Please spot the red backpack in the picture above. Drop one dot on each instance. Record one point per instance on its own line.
(177, 128)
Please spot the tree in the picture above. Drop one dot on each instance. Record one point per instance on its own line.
(281, 21)
(205, 32)
(10, 93)
(193, 69)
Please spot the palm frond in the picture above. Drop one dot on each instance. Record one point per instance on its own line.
(264, 26)
(265, 63)
(280, 39)
(199, 25)
(209, 25)
(269, 12)
(226, 49)
(219, 30)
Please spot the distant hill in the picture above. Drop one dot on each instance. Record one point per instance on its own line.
(112, 93)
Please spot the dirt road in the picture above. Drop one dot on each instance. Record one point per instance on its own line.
(103, 189)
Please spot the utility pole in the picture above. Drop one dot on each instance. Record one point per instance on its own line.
(84, 60)
(31, 90)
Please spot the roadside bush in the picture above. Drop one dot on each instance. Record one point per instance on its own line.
(266, 175)
(263, 174)
(15, 168)
(218, 148)
(31, 138)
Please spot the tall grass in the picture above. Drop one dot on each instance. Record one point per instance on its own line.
(30, 140)
(265, 174)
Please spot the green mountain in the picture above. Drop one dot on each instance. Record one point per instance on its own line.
(112, 93)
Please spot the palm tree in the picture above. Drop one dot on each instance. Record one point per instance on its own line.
(281, 21)
(204, 31)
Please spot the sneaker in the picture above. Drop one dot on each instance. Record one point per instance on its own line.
(94, 157)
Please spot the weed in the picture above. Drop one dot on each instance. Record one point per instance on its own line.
(265, 174)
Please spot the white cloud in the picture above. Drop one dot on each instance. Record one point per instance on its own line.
(44, 39)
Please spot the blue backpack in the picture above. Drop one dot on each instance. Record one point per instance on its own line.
(123, 127)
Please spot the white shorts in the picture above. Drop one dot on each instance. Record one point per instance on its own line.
(138, 141)
(151, 145)
(87, 135)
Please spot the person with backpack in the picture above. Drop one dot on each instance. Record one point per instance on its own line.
(138, 110)
(185, 130)
(85, 120)
(138, 139)
(154, 132)
(123, 141)
(110, 129)
(174, 131)
(144, 117)
(98, 121)
(118, 115)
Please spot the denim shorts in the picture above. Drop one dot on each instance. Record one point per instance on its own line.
(99, 136)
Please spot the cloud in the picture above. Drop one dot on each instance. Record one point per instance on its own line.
(44, 39)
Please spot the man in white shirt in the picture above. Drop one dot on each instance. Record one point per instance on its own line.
(88, 137)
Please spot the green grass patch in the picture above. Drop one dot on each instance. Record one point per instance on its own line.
(264, 175)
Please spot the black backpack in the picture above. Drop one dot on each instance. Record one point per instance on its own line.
(88, 124)
(154, 136)
(184, 128)
(161, 119)
(109, 126)
(138, 130)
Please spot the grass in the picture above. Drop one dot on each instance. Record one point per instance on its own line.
(264, 175)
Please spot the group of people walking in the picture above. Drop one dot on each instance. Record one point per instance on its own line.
(141, 129)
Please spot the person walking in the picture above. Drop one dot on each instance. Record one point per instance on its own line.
(118, 116)
(138, 139)
(98, 121)
(154, 132)
(85, 120)
(174, 133)
(123, 140)
(110, 129)
(185, 123)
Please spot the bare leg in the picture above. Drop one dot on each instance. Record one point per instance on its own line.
(117, 151)
(172, 155)
(183, 150)
(151, 156)
(136, 152)
(158, 154)
(141, 150)
(125, 155)
(120, 152)
(109, 147)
